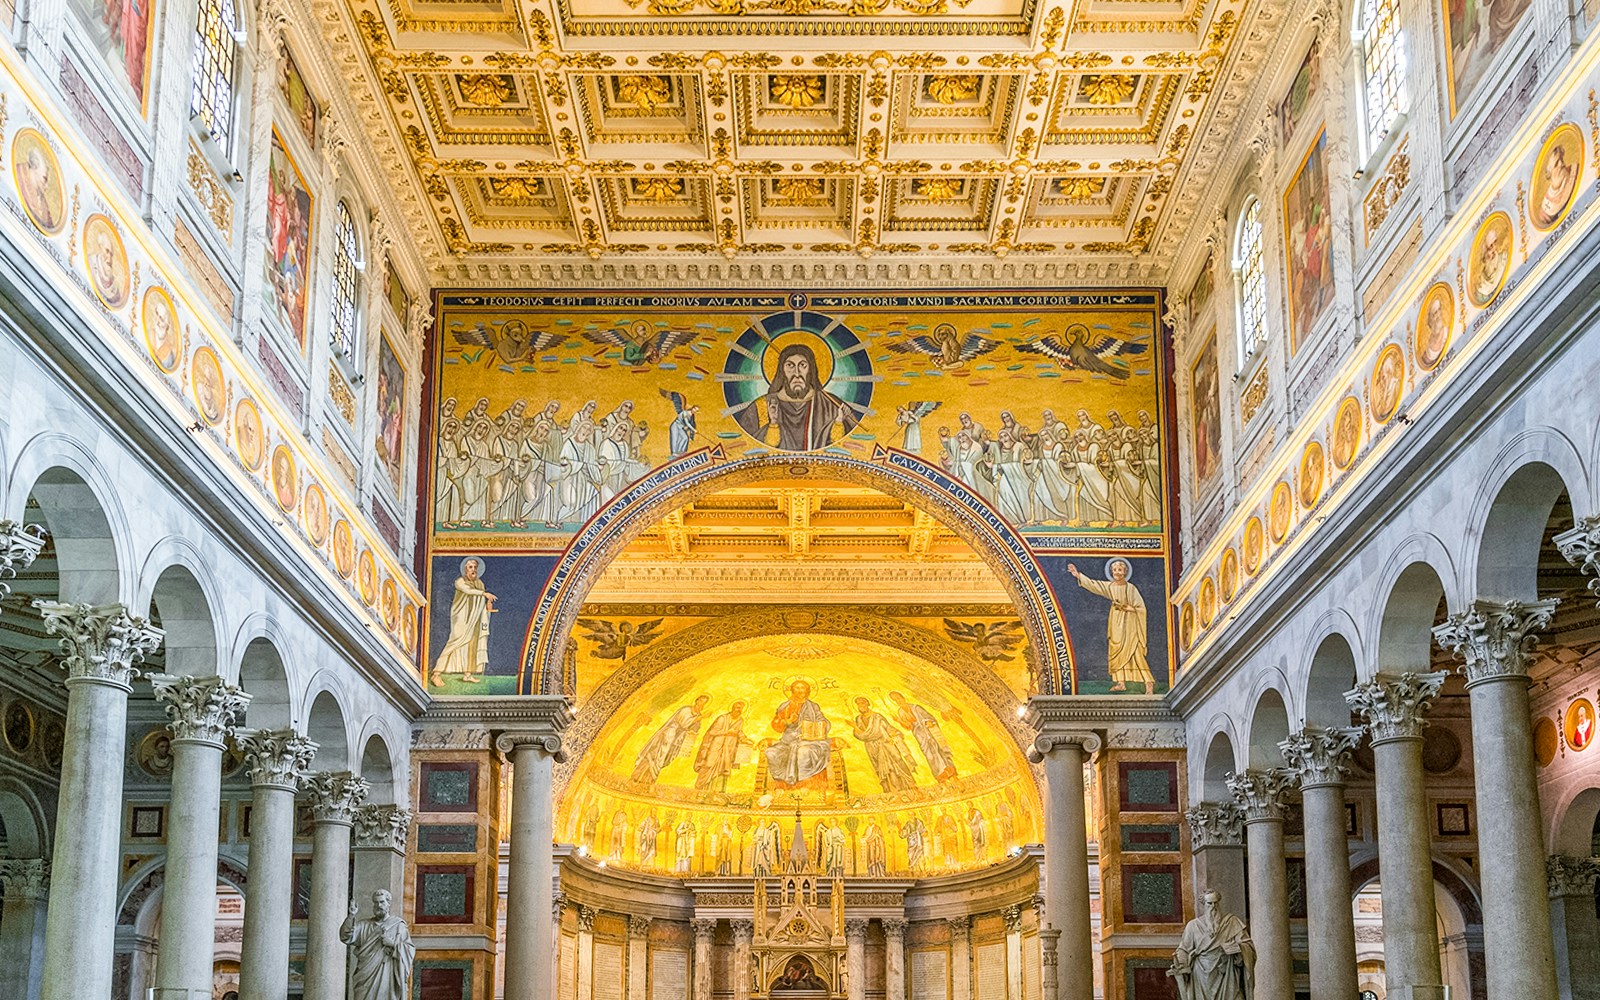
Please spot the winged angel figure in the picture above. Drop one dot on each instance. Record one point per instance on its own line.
(992, 643)
(640, 342)
(1078, 349)
(945, 346)
(616, 638)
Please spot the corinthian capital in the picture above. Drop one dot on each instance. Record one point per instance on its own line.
(272, 21)
(19, 547)
(1396, 705)
(335, 795)
(1495, 639)
(420, 320)
(102, 643)
(1213, 824)
(1319, 756)
(26, 879)
(199, 709)
(1259, 792)
(1581, 546)
(1567, 876)
(381, 827)
(277, 757)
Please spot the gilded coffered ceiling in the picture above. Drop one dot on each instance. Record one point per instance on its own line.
(608, 130)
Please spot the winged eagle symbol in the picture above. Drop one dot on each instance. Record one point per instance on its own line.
(1078, 349)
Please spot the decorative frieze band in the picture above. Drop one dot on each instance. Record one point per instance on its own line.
(102, 643)
(1318, 756)
(1215, 824)
(275, 757)
(1495, 639)
(335, 796)
(199, 709)
(1395, 706)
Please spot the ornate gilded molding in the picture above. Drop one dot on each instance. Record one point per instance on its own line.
(1581, 547)
(1495, 639)
(276, 758)
(335, 795)
(1396, 705)
(1319, 756)
(382, 827)
(1258, 792)
(102, 643)
(19, 547)
(1255, 394)
(1215, 824)
(212, 194)
(199, 709)
(1387, 188)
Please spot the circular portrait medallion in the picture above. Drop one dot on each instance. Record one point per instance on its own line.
(797, 381)
(1436, 322)
(1490, 260)
(408, 627)
(1388, 383)
(1280, 512)
(1346, 433)
(285, 478)
(315, 512)
(1228, 575)
(389, 604)
(1208, 601)
(1186, 624)
(1255, 543)
(344, 549)
(106, 260)
(38, 178)
(1556, 176)
(1312, 471)
(249, 439)
(367, 577)
(19, 726)
(1579, 724)
(207, 385)
(163, 337)
(1545, 741)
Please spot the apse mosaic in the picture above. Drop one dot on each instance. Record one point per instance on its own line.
(1040, 413)
(896, 766)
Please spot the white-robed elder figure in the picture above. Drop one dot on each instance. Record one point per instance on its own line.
(799, 758)
(925, 729)
(466, 650)
(381, 952)
(1127, 635)
(1214, 960)
(672, 739)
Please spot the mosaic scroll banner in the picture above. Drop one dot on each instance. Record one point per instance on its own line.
(1049, 408)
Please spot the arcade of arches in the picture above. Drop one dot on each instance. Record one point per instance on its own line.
(765, 499)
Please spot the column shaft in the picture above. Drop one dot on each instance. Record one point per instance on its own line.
(22, 917)
(80, 925)
(530, 885)
(1519, 947)
(743, 932)
(639, 953)
(330, 905)
(703, 929)
(1013, 916)
(1221, 867)
(855, 958)
(894, 958)
(1269, 909)
(1332, 943)
(960, 960)
(1405, 869)
(1577, 932)
(1066, 860)
(189, 891)
(585, 953)
(264, 953)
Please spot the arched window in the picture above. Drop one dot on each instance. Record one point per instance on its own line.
(1380, 45)
(215, 51)
(1252, 280)
(343, 333)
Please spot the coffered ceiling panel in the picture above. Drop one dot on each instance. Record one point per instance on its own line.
(612, 129)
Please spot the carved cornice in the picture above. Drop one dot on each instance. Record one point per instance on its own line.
(1259, 793)
(1568, 876)
(25, 879)
(19, 547)
(275, 758)
(102, 643)
(335, 795)
(1318, 756)
(1395, 706)
(1581, 546)
(1495, 639)
(1215, 824)
(381, 828)
(199, 709)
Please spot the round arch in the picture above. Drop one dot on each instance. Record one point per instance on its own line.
(1574, 830)
(1405, 636)
(265, 676)
(377, 767)
(27, 832)
(1332, 672)
(1220, 762)
(326, 726)
(896, 473)
(660, 656)
(77, 505)
(1269, 726)
(1504, 550)
(183, 603)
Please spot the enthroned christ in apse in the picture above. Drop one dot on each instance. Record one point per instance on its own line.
(799, 758)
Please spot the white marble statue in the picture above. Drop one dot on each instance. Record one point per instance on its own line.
(381, 952)
(1214, 960)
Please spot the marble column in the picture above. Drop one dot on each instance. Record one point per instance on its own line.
(100, 647)
(1577, 933)
(1216, 836)
(1495, 639)
(530, 875)
(201, 712)
(276, 761)
(1319, 759)
(855, 957)
(704, 927)
(1066, 855)
(1394, 707)
(1013, 919)
(639, 955)
(960, 958)
(26, 887)
(743, 934)
(1259, 793)
(894, 958)
(378, 844)
(586, 915)
(1049, 980)
(335, 797)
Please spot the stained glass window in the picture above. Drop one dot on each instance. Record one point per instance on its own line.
(344, 285)
(1252, 280)
(1383, 60)
(211, 100)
